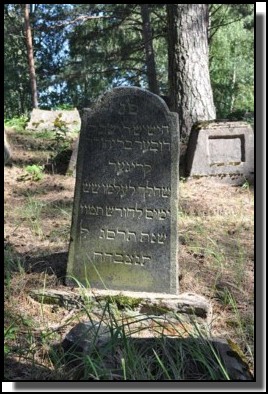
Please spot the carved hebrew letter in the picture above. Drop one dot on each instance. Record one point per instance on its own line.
(149, 213)
(166, 192)
(98, 256)
(144, 236)
(99, 211)
(86, 187)
(154, 146)
(149, 190)
(108, 257)
(131, 234)
(157, 190)
(153, 238)
(102, 233)
(139, 211)
(161, 238)
(130, 210)
(109, 211)
(120, 232)
(167, 144)
(147, 169)
(117, 209)
(110, 234)
(128, 145)
(118, 258)
(132, 109)
(127, 259)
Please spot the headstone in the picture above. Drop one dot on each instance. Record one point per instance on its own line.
(221, 149)
(124, 232)
(53, 120)
(73, 160)
(7, 150)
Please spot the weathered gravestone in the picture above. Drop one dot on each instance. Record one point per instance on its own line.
(221, 149)
(7, 150)
(54, 120)
(124, 232)
(73, 160)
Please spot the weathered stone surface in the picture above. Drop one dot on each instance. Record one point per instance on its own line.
(73, 160)
(85, 337)
(187, 305)
(51, 120)
(236, 367)
(7, 150)
(224, 150)
(124, 231)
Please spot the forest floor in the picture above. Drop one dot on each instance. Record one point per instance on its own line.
(216, 257)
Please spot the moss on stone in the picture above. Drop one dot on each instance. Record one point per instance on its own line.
(122, 301)
(156, 309)
(202, 125)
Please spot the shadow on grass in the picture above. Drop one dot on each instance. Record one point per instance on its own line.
(15, 370)
(54, 263)
(163, 358)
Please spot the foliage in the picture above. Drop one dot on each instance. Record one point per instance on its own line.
(33, 173)
(18, 122)
(9, 335)
(81, 50)
(17, 100)
(61, 132)
(232, 68)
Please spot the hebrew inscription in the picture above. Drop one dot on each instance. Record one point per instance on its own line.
(121, 258)
(124, 228)
(126, 190)
(126, 212)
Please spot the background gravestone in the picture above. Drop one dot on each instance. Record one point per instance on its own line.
(221, 149)
(73, 160)
(124, 232)
(42, 119)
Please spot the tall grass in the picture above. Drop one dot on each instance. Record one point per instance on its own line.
(120, 351)
(116, 345)
(32, 213)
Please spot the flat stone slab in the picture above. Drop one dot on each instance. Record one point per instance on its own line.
(223, 150)
(149, 303)
(188, 305)
(124, 232)
(52, 120)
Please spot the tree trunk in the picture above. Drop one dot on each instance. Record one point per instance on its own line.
(190, 86)
(29, 43)
(149, 50)
(233, 89)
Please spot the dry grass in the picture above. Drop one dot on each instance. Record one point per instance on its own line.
(217, 254)
(216, 230)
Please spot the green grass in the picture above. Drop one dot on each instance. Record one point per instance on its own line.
(18, 122)
(32, 173)
(31, 212)
(124, 357)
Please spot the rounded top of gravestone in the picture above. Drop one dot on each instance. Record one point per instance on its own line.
(109, 99)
